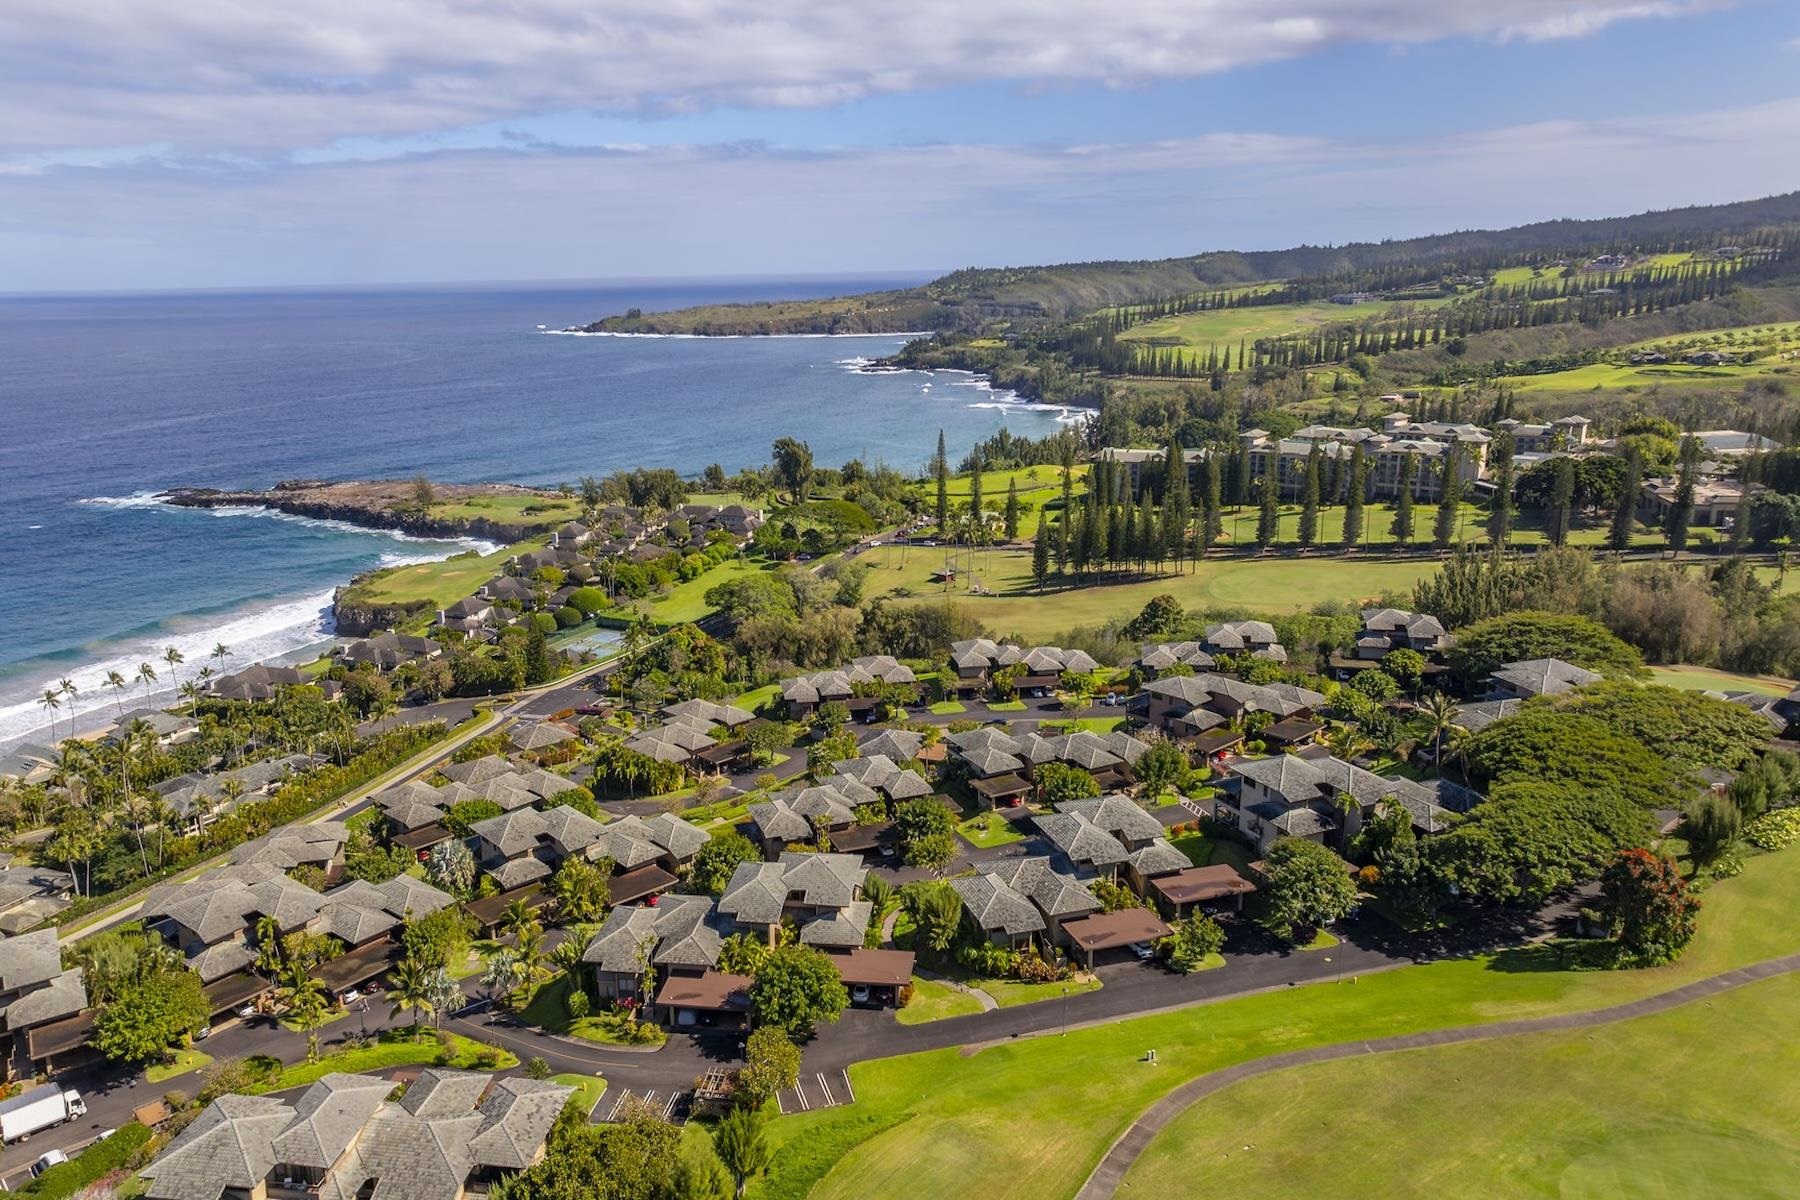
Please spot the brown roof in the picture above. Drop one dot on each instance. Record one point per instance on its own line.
(231, 991)
(1009, 784)
(713, 990)
(56, 1037)
(358, 966)
(1212, 740)
(877, 968)
(1104, 931)
(422, 837)
(1292, 729)
(635, 885)
(487, 911)
(1202, 883)
(862, 837)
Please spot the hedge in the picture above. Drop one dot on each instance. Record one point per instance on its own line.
(98, 1160)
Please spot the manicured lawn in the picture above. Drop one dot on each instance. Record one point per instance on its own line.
(1670, 1105)
(1101, 725)
(1010, 992)
(933, 1001)
(1006, 706)
(944, 1123)
(753, 700)
(184, 1061)
(1278, 583)
(687, 601)
(1708, 679)
(945, 708)
(547, 1011)
(544, 511)
(442, 583)
(988, 829)
(1225, 327)
(590, 1089)
(1322, 940)
(396, 1048)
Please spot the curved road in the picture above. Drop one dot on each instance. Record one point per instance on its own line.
(1106, 1178)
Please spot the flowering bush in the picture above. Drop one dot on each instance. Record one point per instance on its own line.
(1775, 830)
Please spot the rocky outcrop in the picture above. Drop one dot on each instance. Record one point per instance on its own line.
(368, 505)
(359, 618)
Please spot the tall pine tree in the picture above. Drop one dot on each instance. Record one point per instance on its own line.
(1562, 501)
(1010, 517)
(1681, 515)
(1499, 523)
(1309, 500)
(1040, 556)
(1403, 502)
(1443, 530)
(1353, 499)
(977, 519)
(1268, 516)
(1624, 520)
(1214, 516)
(940, 469)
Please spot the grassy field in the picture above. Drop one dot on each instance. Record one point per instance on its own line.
(1227, 326)
(1663, 1106)
(933, 1001)
(443, 583)
(951, 1123)
(687, 601)
(545, 512)
(1279, 583)
(1775, 348)
(396, 1049)
(1699, 679)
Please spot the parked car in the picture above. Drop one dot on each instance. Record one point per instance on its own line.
(352, 996)
(246, 1012)
(202, 1033)
(50, 1159)
(859, 994)
(1143, 951)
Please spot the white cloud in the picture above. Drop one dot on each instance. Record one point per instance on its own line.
(267, 77)
(632, 210)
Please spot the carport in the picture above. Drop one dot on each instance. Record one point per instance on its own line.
(1110, 931)
(1200, 885)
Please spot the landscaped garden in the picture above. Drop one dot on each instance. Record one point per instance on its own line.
(391, 1048)
(988, 829)
(934, 1000)
(549, 1009)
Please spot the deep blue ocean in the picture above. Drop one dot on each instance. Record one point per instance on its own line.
(107, 400)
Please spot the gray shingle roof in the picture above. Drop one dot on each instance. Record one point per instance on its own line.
(63, 996)
(229, 1145)
(1544, 676)
(1081, 841)
(680, 931)
(1116, 814)
(993, 905)
(28, 959)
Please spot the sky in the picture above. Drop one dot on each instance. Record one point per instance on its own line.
(243, 143)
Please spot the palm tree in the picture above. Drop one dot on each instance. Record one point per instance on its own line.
(517, 916)
(50, 702)
(503, 975)
(146, 675)
(305, 999)
(69, 691)
(1346, 741)
(174, 658)
(528, 946)
(219, 651)
(116, 682)
(445, 994)
(1439, 713)
(268, 947)
(409, 986)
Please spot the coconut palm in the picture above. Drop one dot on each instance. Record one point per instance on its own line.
(116, 682)
(69, 691)
(50, 702)
(517, 916)
(1438, 712)
(306, 1003)
(268, 947)
(146, 675)
(503, 976)
(174, 658)
(219, 651)
(409, 987)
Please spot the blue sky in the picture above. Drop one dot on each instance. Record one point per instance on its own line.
(228, 143)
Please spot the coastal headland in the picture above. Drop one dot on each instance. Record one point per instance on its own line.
(496, 512)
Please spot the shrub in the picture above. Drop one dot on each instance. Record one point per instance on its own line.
(576, 1003)
(985, 958)
(1196, 938)
(1774, 830)
(115, 1153)
(567, 617)
(1032, 968)
(538, 1068)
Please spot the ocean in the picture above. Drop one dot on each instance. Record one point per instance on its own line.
(107, 400)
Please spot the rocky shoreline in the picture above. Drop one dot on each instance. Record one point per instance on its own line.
(388, 505)
(370, 504)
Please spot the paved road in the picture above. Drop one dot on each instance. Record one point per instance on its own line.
(1107, 1177)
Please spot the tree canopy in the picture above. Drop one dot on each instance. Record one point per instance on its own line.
(1542, 745)
(1531, 840)
(796, 988)
(1688, 726)
(1513, 637)
(144, 1021)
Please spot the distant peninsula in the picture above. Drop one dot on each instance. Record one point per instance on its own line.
(494, 512)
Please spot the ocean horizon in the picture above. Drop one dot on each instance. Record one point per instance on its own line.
(120, 396)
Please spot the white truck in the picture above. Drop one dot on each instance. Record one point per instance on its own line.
(39, 1108)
